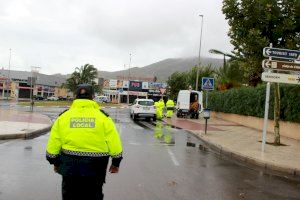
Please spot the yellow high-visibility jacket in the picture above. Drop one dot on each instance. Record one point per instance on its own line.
(84, 130)
(170, 104)
(161, 104)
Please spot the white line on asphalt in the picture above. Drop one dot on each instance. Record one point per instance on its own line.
(175, 161)
(134, 143)
(147, 125)
(136, 127)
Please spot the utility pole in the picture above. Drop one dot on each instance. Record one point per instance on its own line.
(199, 57)
(8, 81)
(128, 78)
(33, 79)
(129, 65)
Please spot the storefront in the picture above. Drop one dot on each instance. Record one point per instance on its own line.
(121, 91)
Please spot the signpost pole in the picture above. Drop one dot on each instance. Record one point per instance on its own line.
(205, 126)
(268, 88)
(206, 99)
(266, 117)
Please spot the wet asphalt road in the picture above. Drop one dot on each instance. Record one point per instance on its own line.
(158, 164)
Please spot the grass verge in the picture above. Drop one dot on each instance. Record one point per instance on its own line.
(60, 103)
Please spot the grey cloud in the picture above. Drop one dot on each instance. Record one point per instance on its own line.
(67, 33)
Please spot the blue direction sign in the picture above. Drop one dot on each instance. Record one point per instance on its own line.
(208, 83)
(281, 53)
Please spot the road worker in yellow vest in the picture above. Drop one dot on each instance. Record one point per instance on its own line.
(170, 108)
(158, 130)
(80, 143)
(160, 109)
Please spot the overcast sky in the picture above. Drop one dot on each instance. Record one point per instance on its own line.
(59, 35)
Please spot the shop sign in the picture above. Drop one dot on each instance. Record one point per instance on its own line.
(135, 85)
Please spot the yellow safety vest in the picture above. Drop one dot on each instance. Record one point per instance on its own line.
(85, 131)
(170, 104)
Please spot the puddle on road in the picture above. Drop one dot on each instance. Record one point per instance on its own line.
(28, 148)
(203, 148)
(164, 133)
(190, 144)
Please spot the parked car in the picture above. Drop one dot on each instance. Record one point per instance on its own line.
(70, 98)
(40, 98)
(186, 101)
(52, 98)
(143, 108)
(62, 98)
(101, 99)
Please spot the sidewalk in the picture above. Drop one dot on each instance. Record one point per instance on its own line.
(24, 125)
(243, 145)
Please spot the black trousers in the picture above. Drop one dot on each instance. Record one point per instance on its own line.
(82, 188)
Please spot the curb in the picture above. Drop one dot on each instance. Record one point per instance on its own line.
(26, 136)
(250, 162)
(37, 133)
(115, 107)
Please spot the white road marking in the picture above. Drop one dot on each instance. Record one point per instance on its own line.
(175, 129)
(134, 143)
(175, 161)
(147, 124)
(136, 127)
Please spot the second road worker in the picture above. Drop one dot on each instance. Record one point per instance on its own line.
(170, 108)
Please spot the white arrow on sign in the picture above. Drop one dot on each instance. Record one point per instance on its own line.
(280, 78)
(268, 64)
(268, 52)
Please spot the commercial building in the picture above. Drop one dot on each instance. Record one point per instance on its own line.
(18, 84)
(125, 91)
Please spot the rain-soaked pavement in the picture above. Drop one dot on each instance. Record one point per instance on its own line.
(160, 162)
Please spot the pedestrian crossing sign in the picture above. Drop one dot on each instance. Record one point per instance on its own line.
(208, 83)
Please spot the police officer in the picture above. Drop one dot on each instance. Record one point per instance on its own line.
(170, 108)
(81, 141)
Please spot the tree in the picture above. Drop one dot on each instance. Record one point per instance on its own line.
(255, 24)
(182, 80)
(230, 75)
(204, 71)
(85, 74)
(177, 81)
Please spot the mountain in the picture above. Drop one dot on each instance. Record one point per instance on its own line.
(162, 69)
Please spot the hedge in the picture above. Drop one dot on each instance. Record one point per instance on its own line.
(250, 101)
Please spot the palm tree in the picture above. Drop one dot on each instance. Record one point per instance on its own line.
(204, 71)
(85, 74)
(230, 75)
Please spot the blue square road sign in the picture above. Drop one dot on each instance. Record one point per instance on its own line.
(208, 83)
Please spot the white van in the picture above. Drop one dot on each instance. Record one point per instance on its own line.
(184, 100)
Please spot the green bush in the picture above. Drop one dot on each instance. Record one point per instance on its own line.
(250, 101)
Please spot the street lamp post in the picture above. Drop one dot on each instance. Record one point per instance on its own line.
(199, 57)
(8, 81)
(33, 79)
(215, 51)
(129, 78)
